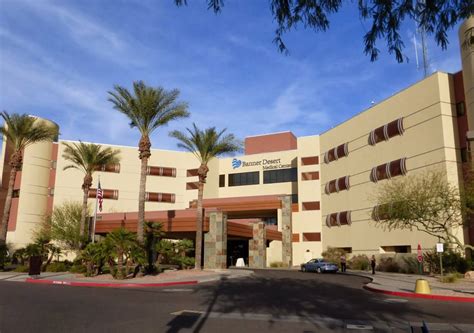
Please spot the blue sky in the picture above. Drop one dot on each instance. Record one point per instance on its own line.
(58, 59)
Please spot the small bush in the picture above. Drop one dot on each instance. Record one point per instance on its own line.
(277, 264)
(450, 278)
(21, 269)
(359, 262)
(388, 265)
(57, 267)
(452, 262)
(333, 255)
(78, 269)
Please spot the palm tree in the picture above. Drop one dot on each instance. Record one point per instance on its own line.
(20, 131)
(88, 157)
(121, 242)
(147, 108)
(205, 145)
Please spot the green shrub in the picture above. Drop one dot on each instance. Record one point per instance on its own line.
(21, 269)
(452, 262)
(409, 265)
(388, 265)
(451, 278)
(57, 267)
(359, 262)
(78, 269)
(184, 262)
(333, 255)
(277, 264)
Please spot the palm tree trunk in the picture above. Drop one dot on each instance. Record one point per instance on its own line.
(141, 200)
(199, 222)
(6, 211)
(120, 274)
(82, 225)
(86, 185)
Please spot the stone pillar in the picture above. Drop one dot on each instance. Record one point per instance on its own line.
(215, 242)
(258, 246)
(286, 231)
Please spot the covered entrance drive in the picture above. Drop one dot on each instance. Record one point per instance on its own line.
(224, 220)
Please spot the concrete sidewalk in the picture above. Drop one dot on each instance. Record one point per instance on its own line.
(401, 284)
(167, 278)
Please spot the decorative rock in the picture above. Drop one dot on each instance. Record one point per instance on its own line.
(469, 275)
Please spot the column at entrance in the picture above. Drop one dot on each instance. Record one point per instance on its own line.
(258, 246)
(215, 242)
(286, 231)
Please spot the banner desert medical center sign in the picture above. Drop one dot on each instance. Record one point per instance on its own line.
(267, 164)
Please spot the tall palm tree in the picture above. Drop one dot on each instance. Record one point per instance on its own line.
(205, 145)
(147, 108)
(88, 157)
(20, 131)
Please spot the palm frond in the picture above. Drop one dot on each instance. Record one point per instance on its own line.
(22, 130)
(206, 144)
(148, 108)
(89, 157)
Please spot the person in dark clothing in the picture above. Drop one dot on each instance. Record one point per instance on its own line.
(343, 263)
(372, 263)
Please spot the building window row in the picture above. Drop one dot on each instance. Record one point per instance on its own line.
(388, 170)
(387, 131)
(337, 185)
(106, 194)
(192, 185)
(115, 168)
(280, 176)
(336, 153)
(161, 171)
(191, 172)
(311, 175)
(311, 205)
(338, 219)
(160, 197)
(244, 178)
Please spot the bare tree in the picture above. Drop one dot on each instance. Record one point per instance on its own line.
(426, 202)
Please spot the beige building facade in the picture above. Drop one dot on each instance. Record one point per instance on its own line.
(330, 177)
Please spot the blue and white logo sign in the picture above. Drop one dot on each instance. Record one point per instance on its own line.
(236, 163)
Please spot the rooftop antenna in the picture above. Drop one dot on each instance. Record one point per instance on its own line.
(424, 48)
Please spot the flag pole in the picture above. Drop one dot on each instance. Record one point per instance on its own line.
(95, 210)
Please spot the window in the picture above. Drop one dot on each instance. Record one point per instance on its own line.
(311, 236)
(244, 178)
(312, 175)
(221, 180)
(460, 109)
(389, 170)
(192, 185)
(294, 198)
(16, 194)
(107, 194)
(381, 212)
(161, 171)
(191, 172)
(109, 168)
(337, 185)
(54, 164)
(310, 160)
(336, 153)
(310, 205)
(280, 176)
(338, 219)
(271, 221)
(386, 131)
(160, 197)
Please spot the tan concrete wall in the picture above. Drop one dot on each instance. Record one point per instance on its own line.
(68, 182)
(429, 140)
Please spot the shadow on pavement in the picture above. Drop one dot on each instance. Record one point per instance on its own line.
(311, 297)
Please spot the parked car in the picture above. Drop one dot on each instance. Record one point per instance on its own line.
(320, 266)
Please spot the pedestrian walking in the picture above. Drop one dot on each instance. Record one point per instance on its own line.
(372, 263)
(343, 263)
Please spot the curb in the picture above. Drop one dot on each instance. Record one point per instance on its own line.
(108, 285)
(425, 296)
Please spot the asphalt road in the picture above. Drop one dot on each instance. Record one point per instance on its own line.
(276, 301)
